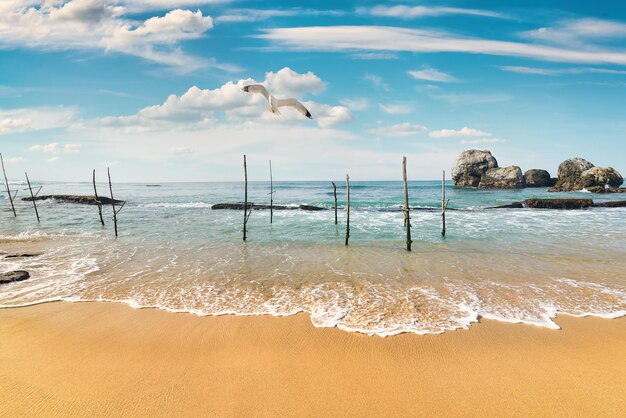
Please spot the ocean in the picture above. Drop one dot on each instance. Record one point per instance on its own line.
(176, 253)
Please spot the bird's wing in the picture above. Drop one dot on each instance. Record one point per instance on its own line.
(257, 88)
(293, 103)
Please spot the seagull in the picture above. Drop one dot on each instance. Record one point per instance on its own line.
(276, 103)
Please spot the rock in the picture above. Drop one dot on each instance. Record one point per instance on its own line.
(558, 203)
(239, 206)
(471, 165)
(14, 276)
(601, 177)
(569, 174)
(514, 205)
(538, 178)
(22, 255)
(81, 200)
(616, 204)
(502, 178)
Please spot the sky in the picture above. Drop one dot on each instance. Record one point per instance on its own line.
(152, 88)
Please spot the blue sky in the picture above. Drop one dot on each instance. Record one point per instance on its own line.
(152, 88)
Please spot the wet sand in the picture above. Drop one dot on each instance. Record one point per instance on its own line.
(103, 359)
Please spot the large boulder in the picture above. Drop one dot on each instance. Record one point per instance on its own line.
(14, 276)
(603, 177)
(502, 178)
(471, 165)
(537, 178)
(569, 174)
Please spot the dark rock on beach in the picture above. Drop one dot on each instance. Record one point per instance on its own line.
(471, 165)
(538, 178)
(80, 200)
(549, 204)
(502, 178)
(22, 255)
(14, 276)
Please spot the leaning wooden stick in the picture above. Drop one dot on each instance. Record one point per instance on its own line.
(6, 182)
(348, 209)
(95, 192)
(32, 195)
(407, 216)
(444, 204)
(335, 195)
(245, 201)
(112, 202)
(271, 195)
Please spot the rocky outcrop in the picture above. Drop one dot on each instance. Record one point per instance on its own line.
(601, 177)
(604, 190)
(569, 174)
(14, 276)
(538, 178)
(561, 204)
(502, 178)
(471, 165)
(81, 200)
(614, 204)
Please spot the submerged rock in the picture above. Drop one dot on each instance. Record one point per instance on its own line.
(240, 206)
(502, 178)
(569, 174)
(616, 204)
(549, 204)
(22, 255)
(14, 276)
(81, 200)
(538, 178)
(471, 165)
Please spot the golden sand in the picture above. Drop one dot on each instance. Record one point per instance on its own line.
(100, 359)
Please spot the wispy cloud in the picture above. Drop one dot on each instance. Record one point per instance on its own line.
(55, 148)
(457, 99)
(374, 56)
(34, 119)
(376, 80)
(453, 133)
(356, 104)
(257, 15)
(401, 129)
(400, 108)
(431, 74)
(412, 12)
(560, 71)
(481, 141)
(578, 31)
(395, 39)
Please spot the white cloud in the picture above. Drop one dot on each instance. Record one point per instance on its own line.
(481, 141)
(34, 119)
(54, 159)
(356, 104)
(457, 99)
(102, 25)
(374, 56)
(152, 5)
(401, 129)
(180, 150)
(401, 108)
(13, 160)
(411, 12)
(431, 74)
(257, 15)
(376, 80)
(452, 133)
(198, 109)
(578, 31)
(55, 148)
(390, 39)
(560, 71)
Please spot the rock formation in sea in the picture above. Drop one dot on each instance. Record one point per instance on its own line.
(578, 173)
(502, 178)
(13, 276)
(538, 178)
(471, 165)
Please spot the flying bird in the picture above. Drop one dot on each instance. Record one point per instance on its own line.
(276, 103)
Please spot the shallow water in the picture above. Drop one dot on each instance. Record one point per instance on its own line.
(176, 253)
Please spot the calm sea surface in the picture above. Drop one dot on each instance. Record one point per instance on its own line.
(175, 253)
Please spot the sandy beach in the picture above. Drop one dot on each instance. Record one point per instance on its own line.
(103, 359)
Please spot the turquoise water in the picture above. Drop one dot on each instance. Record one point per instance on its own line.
(174, 252)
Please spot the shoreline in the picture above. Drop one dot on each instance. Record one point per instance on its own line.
(85, 358)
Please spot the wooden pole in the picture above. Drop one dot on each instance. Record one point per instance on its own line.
(245, 201)
(271, 195)
(335, 195)
(32, 197)
(407, 216)
(112, 202)
(444, 204)
(6, 182)
(95, 191)
(348, 209)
